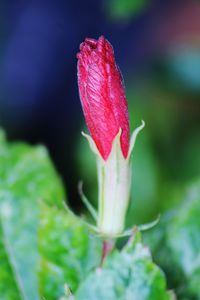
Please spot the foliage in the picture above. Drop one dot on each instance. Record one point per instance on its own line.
(42, 244)
(128, 274)
(178, 235)
(46, 251)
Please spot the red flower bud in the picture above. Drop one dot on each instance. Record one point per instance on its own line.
(102, 95)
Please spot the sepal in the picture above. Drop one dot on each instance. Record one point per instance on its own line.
(87, 203)
(92, 144)
(133, 138)
(114, 182)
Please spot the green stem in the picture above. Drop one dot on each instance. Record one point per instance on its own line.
(107, 247)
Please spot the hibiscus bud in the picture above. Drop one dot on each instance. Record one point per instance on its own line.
(106, 113)
(102, 95)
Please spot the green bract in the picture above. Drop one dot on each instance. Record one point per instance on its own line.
(114, 183)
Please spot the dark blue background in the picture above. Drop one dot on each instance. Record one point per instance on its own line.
(38, 84)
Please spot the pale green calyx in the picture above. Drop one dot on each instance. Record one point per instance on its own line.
(114, 183)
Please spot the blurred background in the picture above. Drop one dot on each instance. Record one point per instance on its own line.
(157, 47)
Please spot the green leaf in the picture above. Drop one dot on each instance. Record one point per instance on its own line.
(8, 285)
(183, 238)
(26, 176)
(178, 234)
(129, 274)
(42, 244)
(68, 251)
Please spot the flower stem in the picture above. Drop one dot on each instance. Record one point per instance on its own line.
(107, 247)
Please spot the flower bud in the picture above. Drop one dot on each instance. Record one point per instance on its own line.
(106, 113)
(102, 95)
